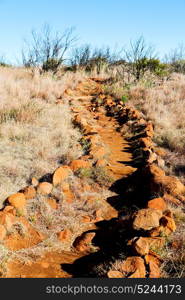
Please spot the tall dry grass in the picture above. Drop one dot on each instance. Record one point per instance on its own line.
(164, 104)
(35, 132)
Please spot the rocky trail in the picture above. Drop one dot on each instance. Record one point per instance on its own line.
(131, 220)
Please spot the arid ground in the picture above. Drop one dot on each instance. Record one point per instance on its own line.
(92, 175)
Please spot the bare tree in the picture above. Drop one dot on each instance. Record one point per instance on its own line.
(176, 59)
(91, 58)
(47, 49)
(80, 56)
(137, 56)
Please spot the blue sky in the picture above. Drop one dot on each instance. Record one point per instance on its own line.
(99, 22)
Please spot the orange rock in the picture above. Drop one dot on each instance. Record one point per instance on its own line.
(61, 174)
(114, 274)
(7, 219)
(154, 270)
(154, 265)
(134, 265)
(64, 235)
(52, 203)
(29, 192)
(44, 188)
(156, 171)
(78, 164)
(2, 232)
(34, 181)
(143, 244)
(157, 203)
(97, 215)
(146, 219)
(152, 258)
(17, 200)
(10, 209)
(82, 242)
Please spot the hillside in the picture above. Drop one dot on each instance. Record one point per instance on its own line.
(89, 183)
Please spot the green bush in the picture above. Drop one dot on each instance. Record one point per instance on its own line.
(153, 65)
(124, 99)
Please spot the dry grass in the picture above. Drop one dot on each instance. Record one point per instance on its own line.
(35, 132)
(174, 260)
(164, 105)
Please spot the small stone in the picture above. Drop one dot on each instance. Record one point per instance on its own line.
(61, 174)
(44, 188)
(134, 265)
(78, 164)
(157, 203)
(154, 270)
(10, 209)
(141, 246)
(34, 181)
(17, 200)
(146, 219)
(7, 219)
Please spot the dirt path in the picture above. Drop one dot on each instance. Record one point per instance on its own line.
(118, 153)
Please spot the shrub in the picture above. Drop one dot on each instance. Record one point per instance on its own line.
(124, 99)
(51, 64)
